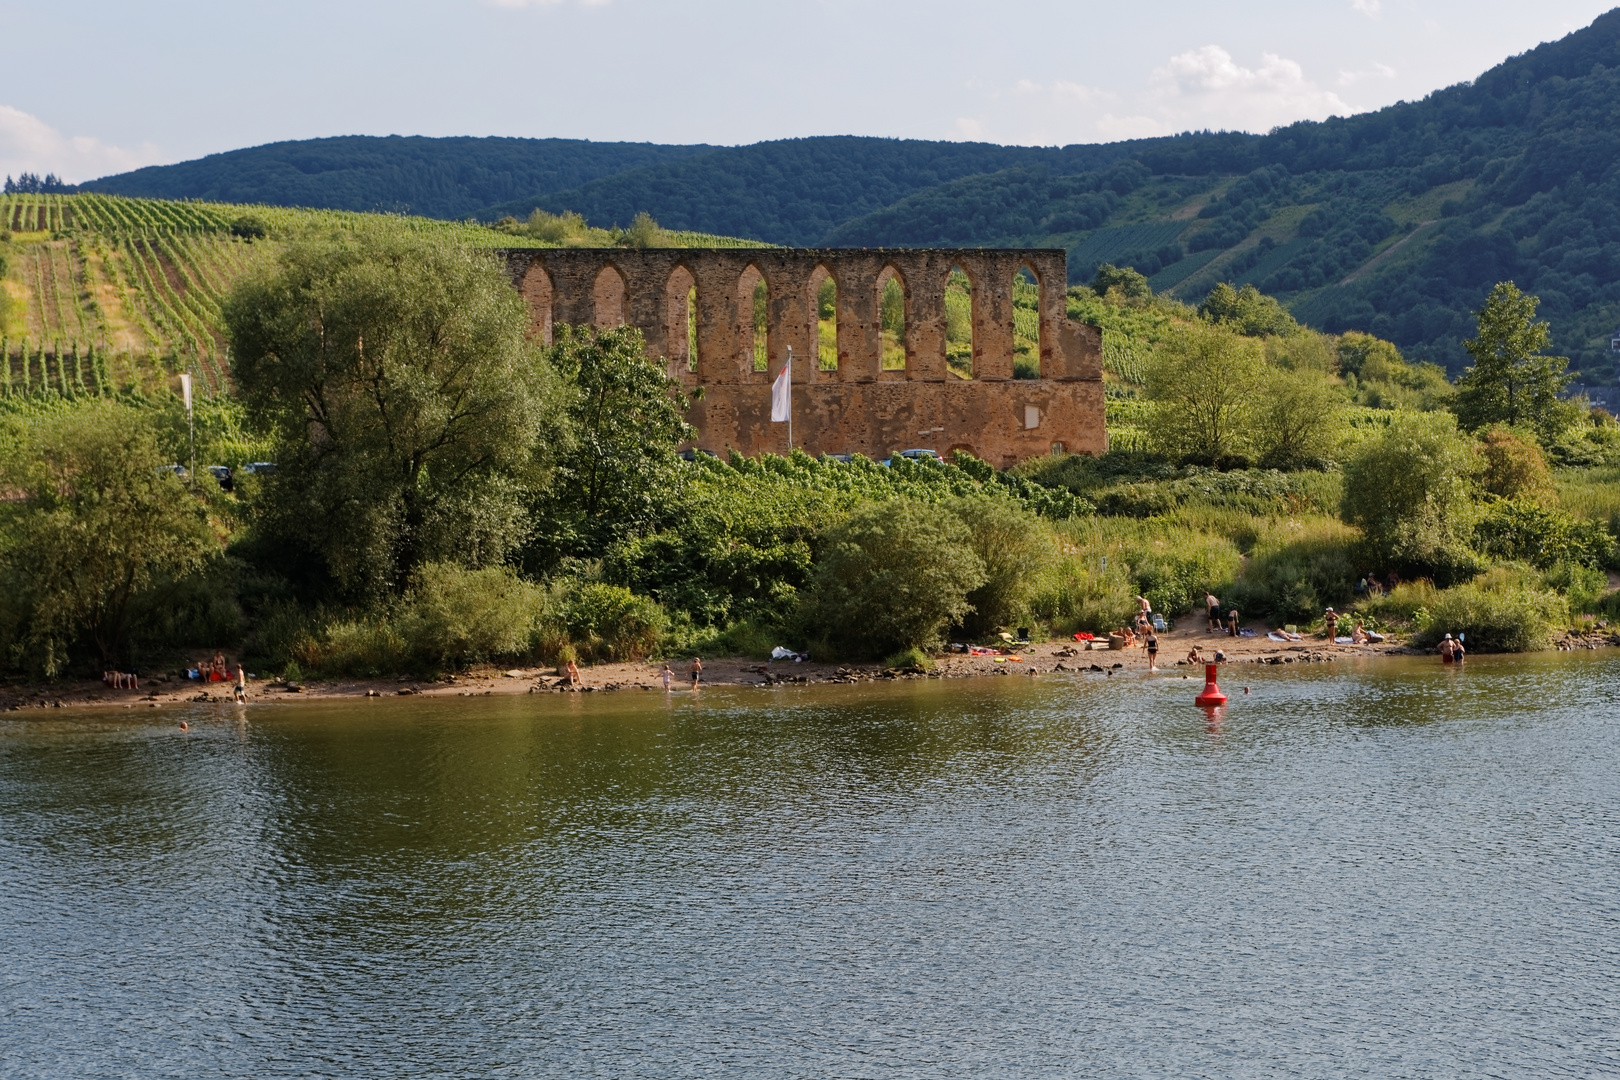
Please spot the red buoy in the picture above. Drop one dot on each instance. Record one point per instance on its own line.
(1212, 693)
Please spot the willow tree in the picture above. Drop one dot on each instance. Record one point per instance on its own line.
(395, 373)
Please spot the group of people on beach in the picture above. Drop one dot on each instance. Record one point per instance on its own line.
(571, 673)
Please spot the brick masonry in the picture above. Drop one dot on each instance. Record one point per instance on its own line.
(859, 407)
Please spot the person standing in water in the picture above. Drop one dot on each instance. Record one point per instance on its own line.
(241, 684)
(1152, 643)
(668, 676)
(697, 671)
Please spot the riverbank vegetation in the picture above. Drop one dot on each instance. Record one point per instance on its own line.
(446, 491)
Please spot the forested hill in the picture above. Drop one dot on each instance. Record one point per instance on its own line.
(442, 178)
(1396, 222)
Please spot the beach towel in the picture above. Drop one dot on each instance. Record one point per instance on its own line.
(1084, 635)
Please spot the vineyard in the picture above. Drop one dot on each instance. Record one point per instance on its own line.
(104, 294)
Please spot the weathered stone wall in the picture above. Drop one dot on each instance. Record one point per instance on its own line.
(859, 407)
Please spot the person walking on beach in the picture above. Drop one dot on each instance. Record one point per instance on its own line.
(697, 671)
(1232, 621)
(1152, 643)
(1212, 604)
(668, 676)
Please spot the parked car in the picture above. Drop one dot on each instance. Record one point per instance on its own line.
(222, 474)
(914, 455)
(692, 454)
(178, 470)
(259, 468)
(845, 458)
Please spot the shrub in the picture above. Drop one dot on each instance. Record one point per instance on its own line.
(1297, 570)
(1080, 594)
(1406, 605)
(1525, 531)
(361, 647)
(1583, 586)
(893, 576)
(1015, 548)
(1504, 610)
(1408, 490)
(609, 622)
(457, 616)
(1514, 468)
(912, 659)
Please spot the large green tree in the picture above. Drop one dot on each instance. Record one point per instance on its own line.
(1410, 490)
(617, 474)
(407, 402)
(1203, 383)
(98, 519)
(1511, 381)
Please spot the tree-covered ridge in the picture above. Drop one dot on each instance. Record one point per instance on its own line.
(442, 178)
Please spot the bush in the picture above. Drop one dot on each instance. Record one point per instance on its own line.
(893, 576)
(910, 660)
(1406, 605)
(1080, 594)
(1525, 531)
(1297, 571)
(456, 616)
(361, 647)
(609, 622)
(1504, 610)
(1583, 587)
(1408, 490)
(1015, 548)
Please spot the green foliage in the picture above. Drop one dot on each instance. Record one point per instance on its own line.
(1247, 311)
(1079, 592)
(249, 227)
(99, 522)
(912, 659)
(1500, 611)
(617, 473)
(1584, 587)
(1014, 548)
(1204, 383)
(456, 616)
(1296, 419)
(405, 402)
(1170, 563)
(1528, 532)
(1296, 570)
(1131, 285)
(1408, 489)
(1514, 468)
(609, 622)
(894, 575)
(1511, 382)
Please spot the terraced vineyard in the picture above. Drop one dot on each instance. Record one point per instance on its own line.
(103, 293)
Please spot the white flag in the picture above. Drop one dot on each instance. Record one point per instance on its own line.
(782, 396)
(185, 390)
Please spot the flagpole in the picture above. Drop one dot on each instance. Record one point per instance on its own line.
(790, 398)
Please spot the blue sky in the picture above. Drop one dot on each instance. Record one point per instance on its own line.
(91, 87)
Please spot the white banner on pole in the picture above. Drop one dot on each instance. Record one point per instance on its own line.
(782, 395)
(185, 390)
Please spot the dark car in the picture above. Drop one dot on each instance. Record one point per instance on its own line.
(914, 455)
(259, 468)
(222, 473)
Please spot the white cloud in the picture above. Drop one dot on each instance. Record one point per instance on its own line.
(28, 144)
(1370, 8)
(1377, 71)
(1205, 87)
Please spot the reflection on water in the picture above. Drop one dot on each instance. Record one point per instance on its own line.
(1390, 870)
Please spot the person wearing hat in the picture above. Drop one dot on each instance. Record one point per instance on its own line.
(1332, 620)
(1448, 649)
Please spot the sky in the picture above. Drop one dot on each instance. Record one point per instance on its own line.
(94, 87)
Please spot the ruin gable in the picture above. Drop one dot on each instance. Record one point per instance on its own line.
(856, 405)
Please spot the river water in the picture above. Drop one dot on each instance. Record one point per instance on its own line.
(1384, 869)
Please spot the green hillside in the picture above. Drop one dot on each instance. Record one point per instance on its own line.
(103, 293)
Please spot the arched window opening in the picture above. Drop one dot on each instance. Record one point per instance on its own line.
(959, 324)
(753, 310)
(608, 298)
(1026, 296)
(538, 292)
(680, 298)
(824, 293)
(692, 329)
(892, 319)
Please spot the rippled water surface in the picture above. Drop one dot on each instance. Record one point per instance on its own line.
(1386, 870)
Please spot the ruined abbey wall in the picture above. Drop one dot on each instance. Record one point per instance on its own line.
(859, 407)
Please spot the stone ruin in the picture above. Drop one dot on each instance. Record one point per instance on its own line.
(855, 404)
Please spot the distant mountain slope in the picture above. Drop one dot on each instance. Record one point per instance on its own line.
(443, 178)
(795, 191)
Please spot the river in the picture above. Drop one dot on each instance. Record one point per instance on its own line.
(1382, 869)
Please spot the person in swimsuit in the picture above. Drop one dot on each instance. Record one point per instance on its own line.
(241, 684)
(1212, 604)
(1152, 643)
(668, 676)
(1448, 649)
(1331, 621)
(697, 671)
(1232, 621)
(573, 673)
